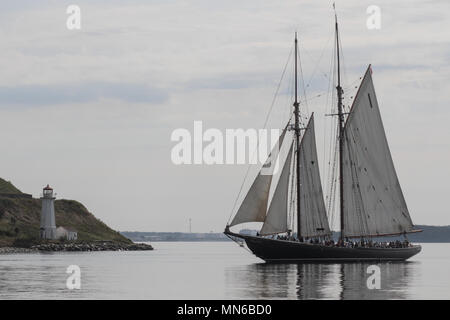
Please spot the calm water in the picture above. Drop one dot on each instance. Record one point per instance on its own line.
(205, 270)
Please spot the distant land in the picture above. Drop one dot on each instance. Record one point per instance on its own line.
(173, 236)
(431, 234)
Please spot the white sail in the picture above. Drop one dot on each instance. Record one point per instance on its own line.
(254, 205)
(276, 220)
(373, 200)
(313, 216)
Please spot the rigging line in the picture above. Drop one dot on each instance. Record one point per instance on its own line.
(350, 86)
(303, 119)
(333, 145)
(341, 51)
(306, 223)
(321, 93)
(343, 66)
(330, 88)
(238, 242)
(331, 192)
(318, 61)
(301, 116)
(265, 124)
(305, 98)
(294, 191)
(329, 124)
(291, 202)
(330, 186)
(289, 98)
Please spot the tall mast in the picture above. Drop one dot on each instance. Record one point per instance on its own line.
(341, 131)
(297, 140)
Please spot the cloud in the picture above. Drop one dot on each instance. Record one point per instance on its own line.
(38, 95)
(232, 81)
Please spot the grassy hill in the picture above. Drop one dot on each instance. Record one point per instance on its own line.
(20, 220)
(8, 187)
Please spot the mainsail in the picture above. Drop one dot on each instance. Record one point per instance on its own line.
(254, 206)
(313, 216)
(373, 200)
(276, 220)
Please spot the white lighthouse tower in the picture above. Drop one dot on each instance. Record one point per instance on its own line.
(48, 227)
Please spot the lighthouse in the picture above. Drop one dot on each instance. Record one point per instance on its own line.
(48, 226)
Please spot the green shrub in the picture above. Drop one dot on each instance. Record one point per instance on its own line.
(25, 242)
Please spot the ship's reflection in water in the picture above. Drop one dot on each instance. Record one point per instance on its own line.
(319, 281)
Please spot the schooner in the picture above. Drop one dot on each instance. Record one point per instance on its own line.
(371, 201)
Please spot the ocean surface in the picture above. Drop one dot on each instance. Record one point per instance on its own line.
(217, 270)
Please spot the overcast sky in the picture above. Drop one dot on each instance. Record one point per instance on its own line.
(91, 111)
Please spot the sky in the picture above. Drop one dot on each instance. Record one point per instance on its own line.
(91, 111)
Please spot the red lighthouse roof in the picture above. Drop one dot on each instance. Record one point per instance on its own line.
(48, 188)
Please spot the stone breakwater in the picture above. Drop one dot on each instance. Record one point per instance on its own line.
(93, 246)
(11, 250)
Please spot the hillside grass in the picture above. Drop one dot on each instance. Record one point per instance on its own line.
(8, 187)
(20, 222)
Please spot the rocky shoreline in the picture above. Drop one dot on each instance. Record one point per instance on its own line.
(11, 250)
(74, 246)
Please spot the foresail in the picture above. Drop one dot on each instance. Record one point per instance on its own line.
(373, 200)
(254, 205)
(276, 220)
(313, 216)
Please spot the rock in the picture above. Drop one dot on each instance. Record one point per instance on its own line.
(11, 250)
(93, 246)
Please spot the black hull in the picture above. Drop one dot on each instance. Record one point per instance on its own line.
(271, 250)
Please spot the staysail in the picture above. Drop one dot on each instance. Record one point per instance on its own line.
(254, 205)
(276, 220)
(313, 216)
(373, 200)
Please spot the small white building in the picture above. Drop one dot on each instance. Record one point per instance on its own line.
(63, 233)
(48, 227)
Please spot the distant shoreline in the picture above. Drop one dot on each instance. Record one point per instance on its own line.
(174, 236)
(430, 234)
